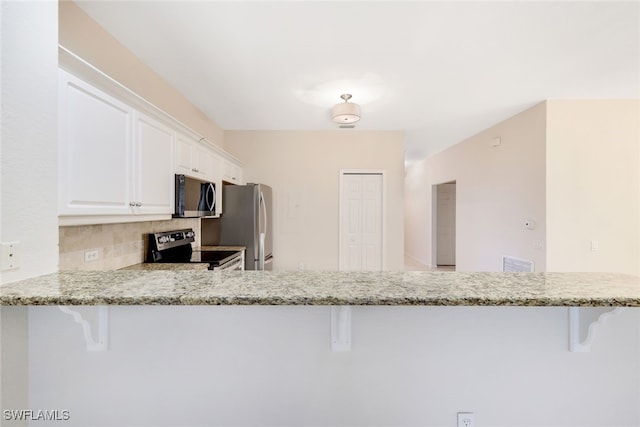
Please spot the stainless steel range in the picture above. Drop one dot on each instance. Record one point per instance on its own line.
(175, 247)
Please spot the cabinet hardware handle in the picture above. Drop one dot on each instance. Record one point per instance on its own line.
(138, 204)
(132, 204)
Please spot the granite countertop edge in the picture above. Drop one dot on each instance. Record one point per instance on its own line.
(193, 287)
(177, 301)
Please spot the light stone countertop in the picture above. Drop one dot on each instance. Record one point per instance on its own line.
(189, 287)
(154, 266)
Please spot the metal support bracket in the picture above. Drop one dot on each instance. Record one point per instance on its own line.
(585, 321)
(102, 321)
(341, 328)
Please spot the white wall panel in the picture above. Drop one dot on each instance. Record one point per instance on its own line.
(408, 366)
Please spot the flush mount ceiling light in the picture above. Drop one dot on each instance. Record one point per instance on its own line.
(346, 112)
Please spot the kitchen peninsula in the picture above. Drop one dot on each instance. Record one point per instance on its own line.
(411, 288)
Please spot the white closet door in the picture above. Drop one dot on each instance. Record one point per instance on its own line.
(361, 222)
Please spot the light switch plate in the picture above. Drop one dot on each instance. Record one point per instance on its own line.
(10, 255)
(92, 255)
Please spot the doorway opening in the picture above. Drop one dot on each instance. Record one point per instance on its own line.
(444, 226)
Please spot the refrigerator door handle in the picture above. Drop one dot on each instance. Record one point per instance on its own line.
(261, 253)
(264, 211)
(263, 233)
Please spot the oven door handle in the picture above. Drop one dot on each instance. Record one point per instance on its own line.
(235, 264)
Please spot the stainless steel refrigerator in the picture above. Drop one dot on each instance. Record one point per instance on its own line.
(246, 221)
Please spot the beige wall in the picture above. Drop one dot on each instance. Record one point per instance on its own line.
(303, 167)
(575, 170)
(593, 185)
(498, 189)
(86, 38)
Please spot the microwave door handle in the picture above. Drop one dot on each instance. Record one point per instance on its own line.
(211, 198)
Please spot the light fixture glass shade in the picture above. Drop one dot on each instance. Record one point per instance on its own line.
(346, 112)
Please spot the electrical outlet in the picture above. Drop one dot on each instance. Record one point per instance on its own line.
(10, 255)
(92, 255)
(465, 419)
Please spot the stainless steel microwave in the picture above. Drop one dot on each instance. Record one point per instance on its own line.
(195, 198)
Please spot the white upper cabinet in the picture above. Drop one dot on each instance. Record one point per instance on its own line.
(119, 154)
(183, 155)
(232, 172)
(193, 159)
(154, 161)
(95, 136)
(203, 162)
(113, 160)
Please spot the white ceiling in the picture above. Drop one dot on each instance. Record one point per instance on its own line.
(441, 71)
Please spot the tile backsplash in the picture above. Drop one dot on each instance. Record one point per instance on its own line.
(117, 245)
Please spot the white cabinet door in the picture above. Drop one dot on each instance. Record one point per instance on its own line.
(95, 161)
(183, 155)
(193, 159)
(154, 160)
(232, 172)
(202, 160)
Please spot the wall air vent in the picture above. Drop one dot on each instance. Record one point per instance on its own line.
(347, 126)
(514, 265)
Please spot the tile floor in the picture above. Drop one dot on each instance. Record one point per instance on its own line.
(411, 264)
